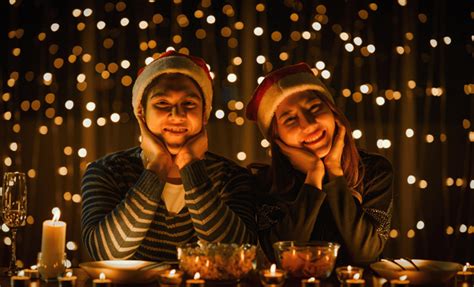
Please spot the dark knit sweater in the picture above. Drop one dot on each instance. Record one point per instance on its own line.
(124, 217)
(333, 214)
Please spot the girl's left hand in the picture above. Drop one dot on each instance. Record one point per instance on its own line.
(332, 161)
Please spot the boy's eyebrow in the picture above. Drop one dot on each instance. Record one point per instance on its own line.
(189, 93)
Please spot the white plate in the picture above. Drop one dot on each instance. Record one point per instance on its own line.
(125, 271)
(431, 272)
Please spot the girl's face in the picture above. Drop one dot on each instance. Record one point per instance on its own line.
(305, 121)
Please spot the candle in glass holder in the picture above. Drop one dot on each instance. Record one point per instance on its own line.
(466, 275)
(400, 282)
(171, 278)
(196, 281)
(20, 280)
(272, 277)
(347, 272)
(102, 281)
(355, 281)
(32, 272)
(53, 242)
(67, 281)
(311, 282)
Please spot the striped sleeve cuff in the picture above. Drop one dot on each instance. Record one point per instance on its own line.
(194, 174)
(150, 185)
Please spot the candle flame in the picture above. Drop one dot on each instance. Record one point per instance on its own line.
(464, 269)
(357, 276)
(403, 278)
(69, 274)
(33, 267)
(56, 214)
(349, 268)
(273, 269)
(21, 273)
(293, 252)
(173, 272)
(312, 279)
(102, 276)
(197, 275)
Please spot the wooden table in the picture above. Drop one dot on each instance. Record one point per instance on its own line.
(85, 281)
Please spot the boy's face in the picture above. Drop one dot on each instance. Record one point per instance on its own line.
(174, 110)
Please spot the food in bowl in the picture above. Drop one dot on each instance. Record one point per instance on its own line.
(217, 261)
(306, 259)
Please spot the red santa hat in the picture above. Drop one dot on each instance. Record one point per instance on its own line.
(278, 85)
(174, 62)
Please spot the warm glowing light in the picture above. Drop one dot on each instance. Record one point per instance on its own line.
(356, 134)
(380, 101)
(326, 74)
(232, 77)
(316, 26)
(320, 65)
(349, 47)
(265, 143)
(101, 25)
(211, 19)
(371, 48)
(102, 276)
(82, 152)
(260, 59)
(433, 43)
(56, 214)
(420, 225)
(411, 179)
(357, 276)
(241, 155)
(273, 269)
(124, 22)
(54, 27)
(220, 114)
(143, 25)
(258, 31)
(197, 275)
(403, 278)
(344, 36)
(358, 41)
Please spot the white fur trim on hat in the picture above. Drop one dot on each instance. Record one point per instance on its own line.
(168, 65)
(283, 88)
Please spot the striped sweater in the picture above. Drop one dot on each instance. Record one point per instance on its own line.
(123, 216)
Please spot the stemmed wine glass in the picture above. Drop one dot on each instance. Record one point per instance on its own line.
(13, 209)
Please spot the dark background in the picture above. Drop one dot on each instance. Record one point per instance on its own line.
(445, 207)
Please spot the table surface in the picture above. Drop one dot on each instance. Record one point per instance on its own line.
(83, 280)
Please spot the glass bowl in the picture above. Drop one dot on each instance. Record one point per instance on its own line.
(217, 261)
(306, 259)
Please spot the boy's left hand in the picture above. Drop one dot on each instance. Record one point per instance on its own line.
(193, 149)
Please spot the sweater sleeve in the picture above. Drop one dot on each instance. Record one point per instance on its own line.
(363, 228)
(221, 210)
(290, 220)
(113, 224)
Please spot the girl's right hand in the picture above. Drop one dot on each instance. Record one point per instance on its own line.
(157, 157)
(306, 162)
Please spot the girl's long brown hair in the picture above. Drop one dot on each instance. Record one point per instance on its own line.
(284, 176)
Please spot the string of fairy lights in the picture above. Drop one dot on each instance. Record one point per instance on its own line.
(54, 110)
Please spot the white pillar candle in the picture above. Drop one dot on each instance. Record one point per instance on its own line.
(53, 242)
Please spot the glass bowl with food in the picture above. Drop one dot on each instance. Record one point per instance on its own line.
(306, 259)
(217, 261)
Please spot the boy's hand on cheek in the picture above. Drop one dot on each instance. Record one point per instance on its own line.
(156, 156)
(194, 149)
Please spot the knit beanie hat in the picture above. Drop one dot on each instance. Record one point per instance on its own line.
(174, 62)
(278, 85)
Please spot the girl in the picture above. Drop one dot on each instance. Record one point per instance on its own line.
(319, 186)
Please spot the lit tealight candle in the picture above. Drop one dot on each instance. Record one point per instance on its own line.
(347, 272)
(32, 272)
(102, 281)
(311, 282)
(196, 282)
(67, 281)
(272, 277)
(20, 280)
(466, 275)
(171, 278)
(53, 242)
(400, 282)
(355, 281)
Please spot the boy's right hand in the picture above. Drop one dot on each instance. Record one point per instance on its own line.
(157, 157)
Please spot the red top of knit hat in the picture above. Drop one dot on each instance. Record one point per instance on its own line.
(198, 61)
(270, 79)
